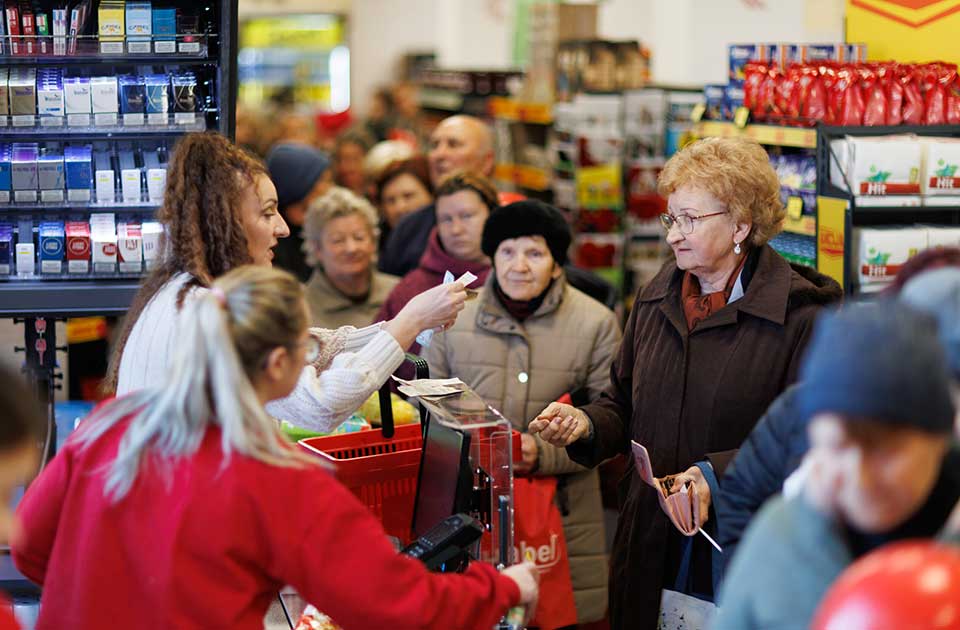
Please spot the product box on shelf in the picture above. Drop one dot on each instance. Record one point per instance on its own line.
(6, 249)
(852, 53)
(164, 30)
(941, 166)
(157, 88)
(881, 166)
(28, 25)
(23, 172)
(59, 17)
(940, 236)
(26, 259)
(52, 239)
(881, 252)
(79, 172)
(103, 242)
(156, 176)
(12, 18)
(106, 187)
(50, 176)
(43, 32)
(713, 99)
(50, 101)
(184, 97)
(111, 26)
(78, 246)
(6, 157)
(132, 99)
(188, 30)
(739, 54)
(139, 26)
(130, 247)
(104, 98)
(76, 101)
(4, 96)
(22, 87)
(732, 99)
(151, 231)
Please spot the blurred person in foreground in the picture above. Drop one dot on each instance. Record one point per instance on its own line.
(877, 395)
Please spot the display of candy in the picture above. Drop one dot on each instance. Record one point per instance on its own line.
(796, 248)
(853, 94)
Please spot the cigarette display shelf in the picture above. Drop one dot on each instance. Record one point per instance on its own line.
(210, 53)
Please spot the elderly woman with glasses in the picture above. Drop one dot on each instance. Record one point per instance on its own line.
(710, 342)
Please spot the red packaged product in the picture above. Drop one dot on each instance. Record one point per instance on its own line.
(890, 80)
(791, 88)
(850, 104)
(874, 97)
(913, 109)
(829, 79)
(934, 96)
(767, 96)
(755, 73)
(814, 104)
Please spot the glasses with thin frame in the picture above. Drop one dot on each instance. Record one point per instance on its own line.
(685, 222)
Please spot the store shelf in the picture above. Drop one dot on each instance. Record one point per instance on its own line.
(88, 51)
(445, 100)
(524, 176)
(884, 130)
(772, 135)
(44, 129)
(58, 298)
(520, 111)
(12, 209)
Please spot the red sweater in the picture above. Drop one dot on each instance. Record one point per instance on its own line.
(209, 544)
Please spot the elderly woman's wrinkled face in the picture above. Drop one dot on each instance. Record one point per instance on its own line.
(524, 267)
(708, 248)
(874, 477)
(346, 247)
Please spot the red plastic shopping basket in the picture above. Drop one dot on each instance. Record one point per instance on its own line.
(382, 472)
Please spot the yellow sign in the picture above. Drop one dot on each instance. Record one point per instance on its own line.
(696, 114)
(831, 236)
(741, 117)
(906, 30)
(599, 187)
(86, 329)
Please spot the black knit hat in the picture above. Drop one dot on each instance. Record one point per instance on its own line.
(527, 218)
(879, 362)
(294, 169)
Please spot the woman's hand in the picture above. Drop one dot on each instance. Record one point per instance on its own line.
(527, 578)
(695, 476)
(434, 308)
(531, 454)
(560, 425)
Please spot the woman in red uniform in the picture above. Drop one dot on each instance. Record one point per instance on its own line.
(184, 507)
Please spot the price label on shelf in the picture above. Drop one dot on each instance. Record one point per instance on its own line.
(105, 120)
(157, 119)
(4, 121)
(111, 48)
(51, 121)
(25, 196)
(165, 47)
(741, 117)
(184, 118)
(794, 207)
(696, 114)
(51, 196)
(133, 120)
(135, 47)
(24, 121)
(78, 120)
(189, 47)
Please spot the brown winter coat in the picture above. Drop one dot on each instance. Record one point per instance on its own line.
(566, 345)
(686, 396)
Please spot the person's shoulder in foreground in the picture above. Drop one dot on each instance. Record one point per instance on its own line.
(789, 557)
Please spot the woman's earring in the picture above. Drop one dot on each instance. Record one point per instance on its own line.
(736, 248)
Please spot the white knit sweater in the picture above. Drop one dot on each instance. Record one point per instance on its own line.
(322, 399)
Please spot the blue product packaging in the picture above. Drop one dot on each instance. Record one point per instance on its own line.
(164, 30)
(713, 97)
(79, 172)
(132, 95)
(821, 52)
(157, 99)
(732, 99)
(52, 239)
(6, 156)
(50, 176)
(6, 248)
(739, 55)
(852, 53)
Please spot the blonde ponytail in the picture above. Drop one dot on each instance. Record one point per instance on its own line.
(230, 331)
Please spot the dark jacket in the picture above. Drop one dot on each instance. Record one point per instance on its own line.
(792, 553)
(685, 395)
(433, 264)
(772, 451)
(288, 254)
(407, 242)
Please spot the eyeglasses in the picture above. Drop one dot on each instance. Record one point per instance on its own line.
(312, 346)
(684, 221)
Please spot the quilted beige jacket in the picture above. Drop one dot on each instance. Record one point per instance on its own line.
(520, 368)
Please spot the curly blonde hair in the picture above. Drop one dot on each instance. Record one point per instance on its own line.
(337, 202)
(738, 173)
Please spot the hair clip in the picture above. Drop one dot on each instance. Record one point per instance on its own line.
(220, 296)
